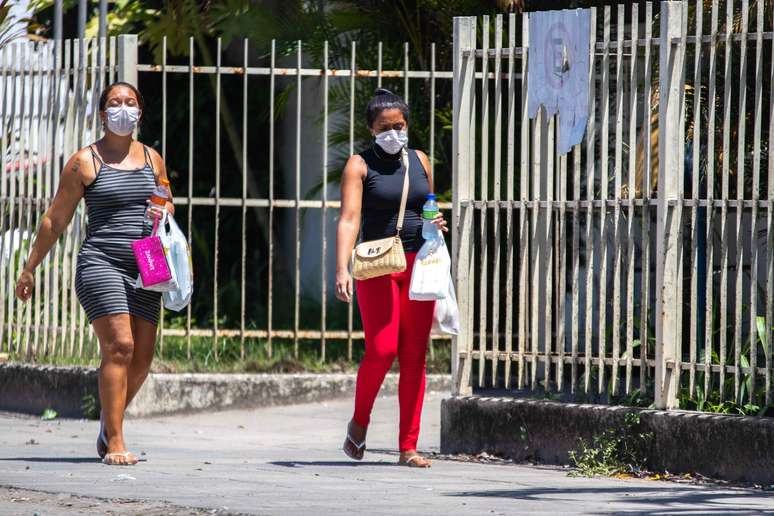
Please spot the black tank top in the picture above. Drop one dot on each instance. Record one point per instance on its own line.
(382, 189)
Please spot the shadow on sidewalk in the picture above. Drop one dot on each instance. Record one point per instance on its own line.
(70, 460)
(674, 500)
(328, 463)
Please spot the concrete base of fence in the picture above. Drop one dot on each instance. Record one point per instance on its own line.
(32, 389)
(719, 446)
(170, 393)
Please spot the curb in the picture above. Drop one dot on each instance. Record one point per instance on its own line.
(728, 447)
(31, 389)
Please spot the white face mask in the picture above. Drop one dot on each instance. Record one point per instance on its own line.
(122, 120)
(392, 141)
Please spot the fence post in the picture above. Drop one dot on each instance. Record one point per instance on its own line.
(670, 183)
(127, 58)
(462, 181)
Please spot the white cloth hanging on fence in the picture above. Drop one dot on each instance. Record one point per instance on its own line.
(558, 70)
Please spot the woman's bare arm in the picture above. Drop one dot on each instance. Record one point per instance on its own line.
(160, 169)
(58, 216)
(439, 221)
(426, 163)
(349, 223)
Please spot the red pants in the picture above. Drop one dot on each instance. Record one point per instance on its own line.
(394, 326)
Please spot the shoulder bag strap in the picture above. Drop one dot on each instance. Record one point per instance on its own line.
(404, 197)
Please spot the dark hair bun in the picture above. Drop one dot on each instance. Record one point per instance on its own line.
(385, 99)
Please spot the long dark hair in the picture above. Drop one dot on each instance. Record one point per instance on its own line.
(385, 99)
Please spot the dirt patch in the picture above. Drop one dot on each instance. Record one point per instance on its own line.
(15, 501)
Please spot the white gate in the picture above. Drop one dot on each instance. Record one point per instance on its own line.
(638, 268)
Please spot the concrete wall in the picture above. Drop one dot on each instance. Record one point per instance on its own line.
(719, 446)
(32, 389)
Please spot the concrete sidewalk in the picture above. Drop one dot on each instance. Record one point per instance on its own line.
(286, 460)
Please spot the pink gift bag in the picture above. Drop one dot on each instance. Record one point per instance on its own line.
(151, 259)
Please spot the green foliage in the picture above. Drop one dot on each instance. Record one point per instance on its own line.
(90, 406)
(176, 358)
(49, 414)
(613, 451)
(748, 401)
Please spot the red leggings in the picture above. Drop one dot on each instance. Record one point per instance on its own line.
(394, 326)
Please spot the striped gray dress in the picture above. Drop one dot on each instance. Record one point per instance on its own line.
(106, 270)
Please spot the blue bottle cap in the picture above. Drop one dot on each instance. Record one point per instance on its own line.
(431, 197)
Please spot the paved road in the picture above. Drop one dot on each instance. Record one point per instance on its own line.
(286, 460)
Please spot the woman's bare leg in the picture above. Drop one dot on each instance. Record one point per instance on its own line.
(144, 333)
(117, 349)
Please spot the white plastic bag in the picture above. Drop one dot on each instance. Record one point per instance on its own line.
(180, 256)
(446, 318)
(431, 271)
(163, 235)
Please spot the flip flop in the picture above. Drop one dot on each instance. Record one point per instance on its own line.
(102, 442)
(130, 458)
(416, 461)
(359, 448)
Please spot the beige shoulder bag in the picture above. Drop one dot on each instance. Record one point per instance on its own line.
(381, 257)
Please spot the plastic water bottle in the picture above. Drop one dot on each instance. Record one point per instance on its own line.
(429, 212)
(159, 198)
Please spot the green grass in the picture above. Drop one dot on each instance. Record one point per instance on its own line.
(613, 451)
(226, 357)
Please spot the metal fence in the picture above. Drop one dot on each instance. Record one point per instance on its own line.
(639, 267)
(49, 100)
(47, 95)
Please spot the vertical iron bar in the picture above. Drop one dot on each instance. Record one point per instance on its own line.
(243, 257)
(497, 172)
(324, 222)
(524, 245)
(483, 254)
(190, 174)
(646, 193)
(216, 243)
(163, 154)
(591, 137)
(617, 255)
(755, 195)
(604, 181)
(510, 169)
(297, 271)
(353, 58)
(270, 283)
(710, 233)
(695, 195)
(725, 196)
(630, 252)
(406, 72)
(740, 173)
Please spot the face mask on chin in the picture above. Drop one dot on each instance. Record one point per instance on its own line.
(392, 141)
(122, 120)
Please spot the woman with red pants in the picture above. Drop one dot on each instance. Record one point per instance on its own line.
(371, 190)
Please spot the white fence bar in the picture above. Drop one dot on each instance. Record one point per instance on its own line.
(462, 189)
(671, 73)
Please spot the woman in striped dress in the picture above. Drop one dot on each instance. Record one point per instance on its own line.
(116, 176)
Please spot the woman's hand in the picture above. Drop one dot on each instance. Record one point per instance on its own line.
(25, 286)
(344, 286)
(440, 222)
(156, 210)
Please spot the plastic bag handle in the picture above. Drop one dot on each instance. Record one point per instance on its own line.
(156, 222)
